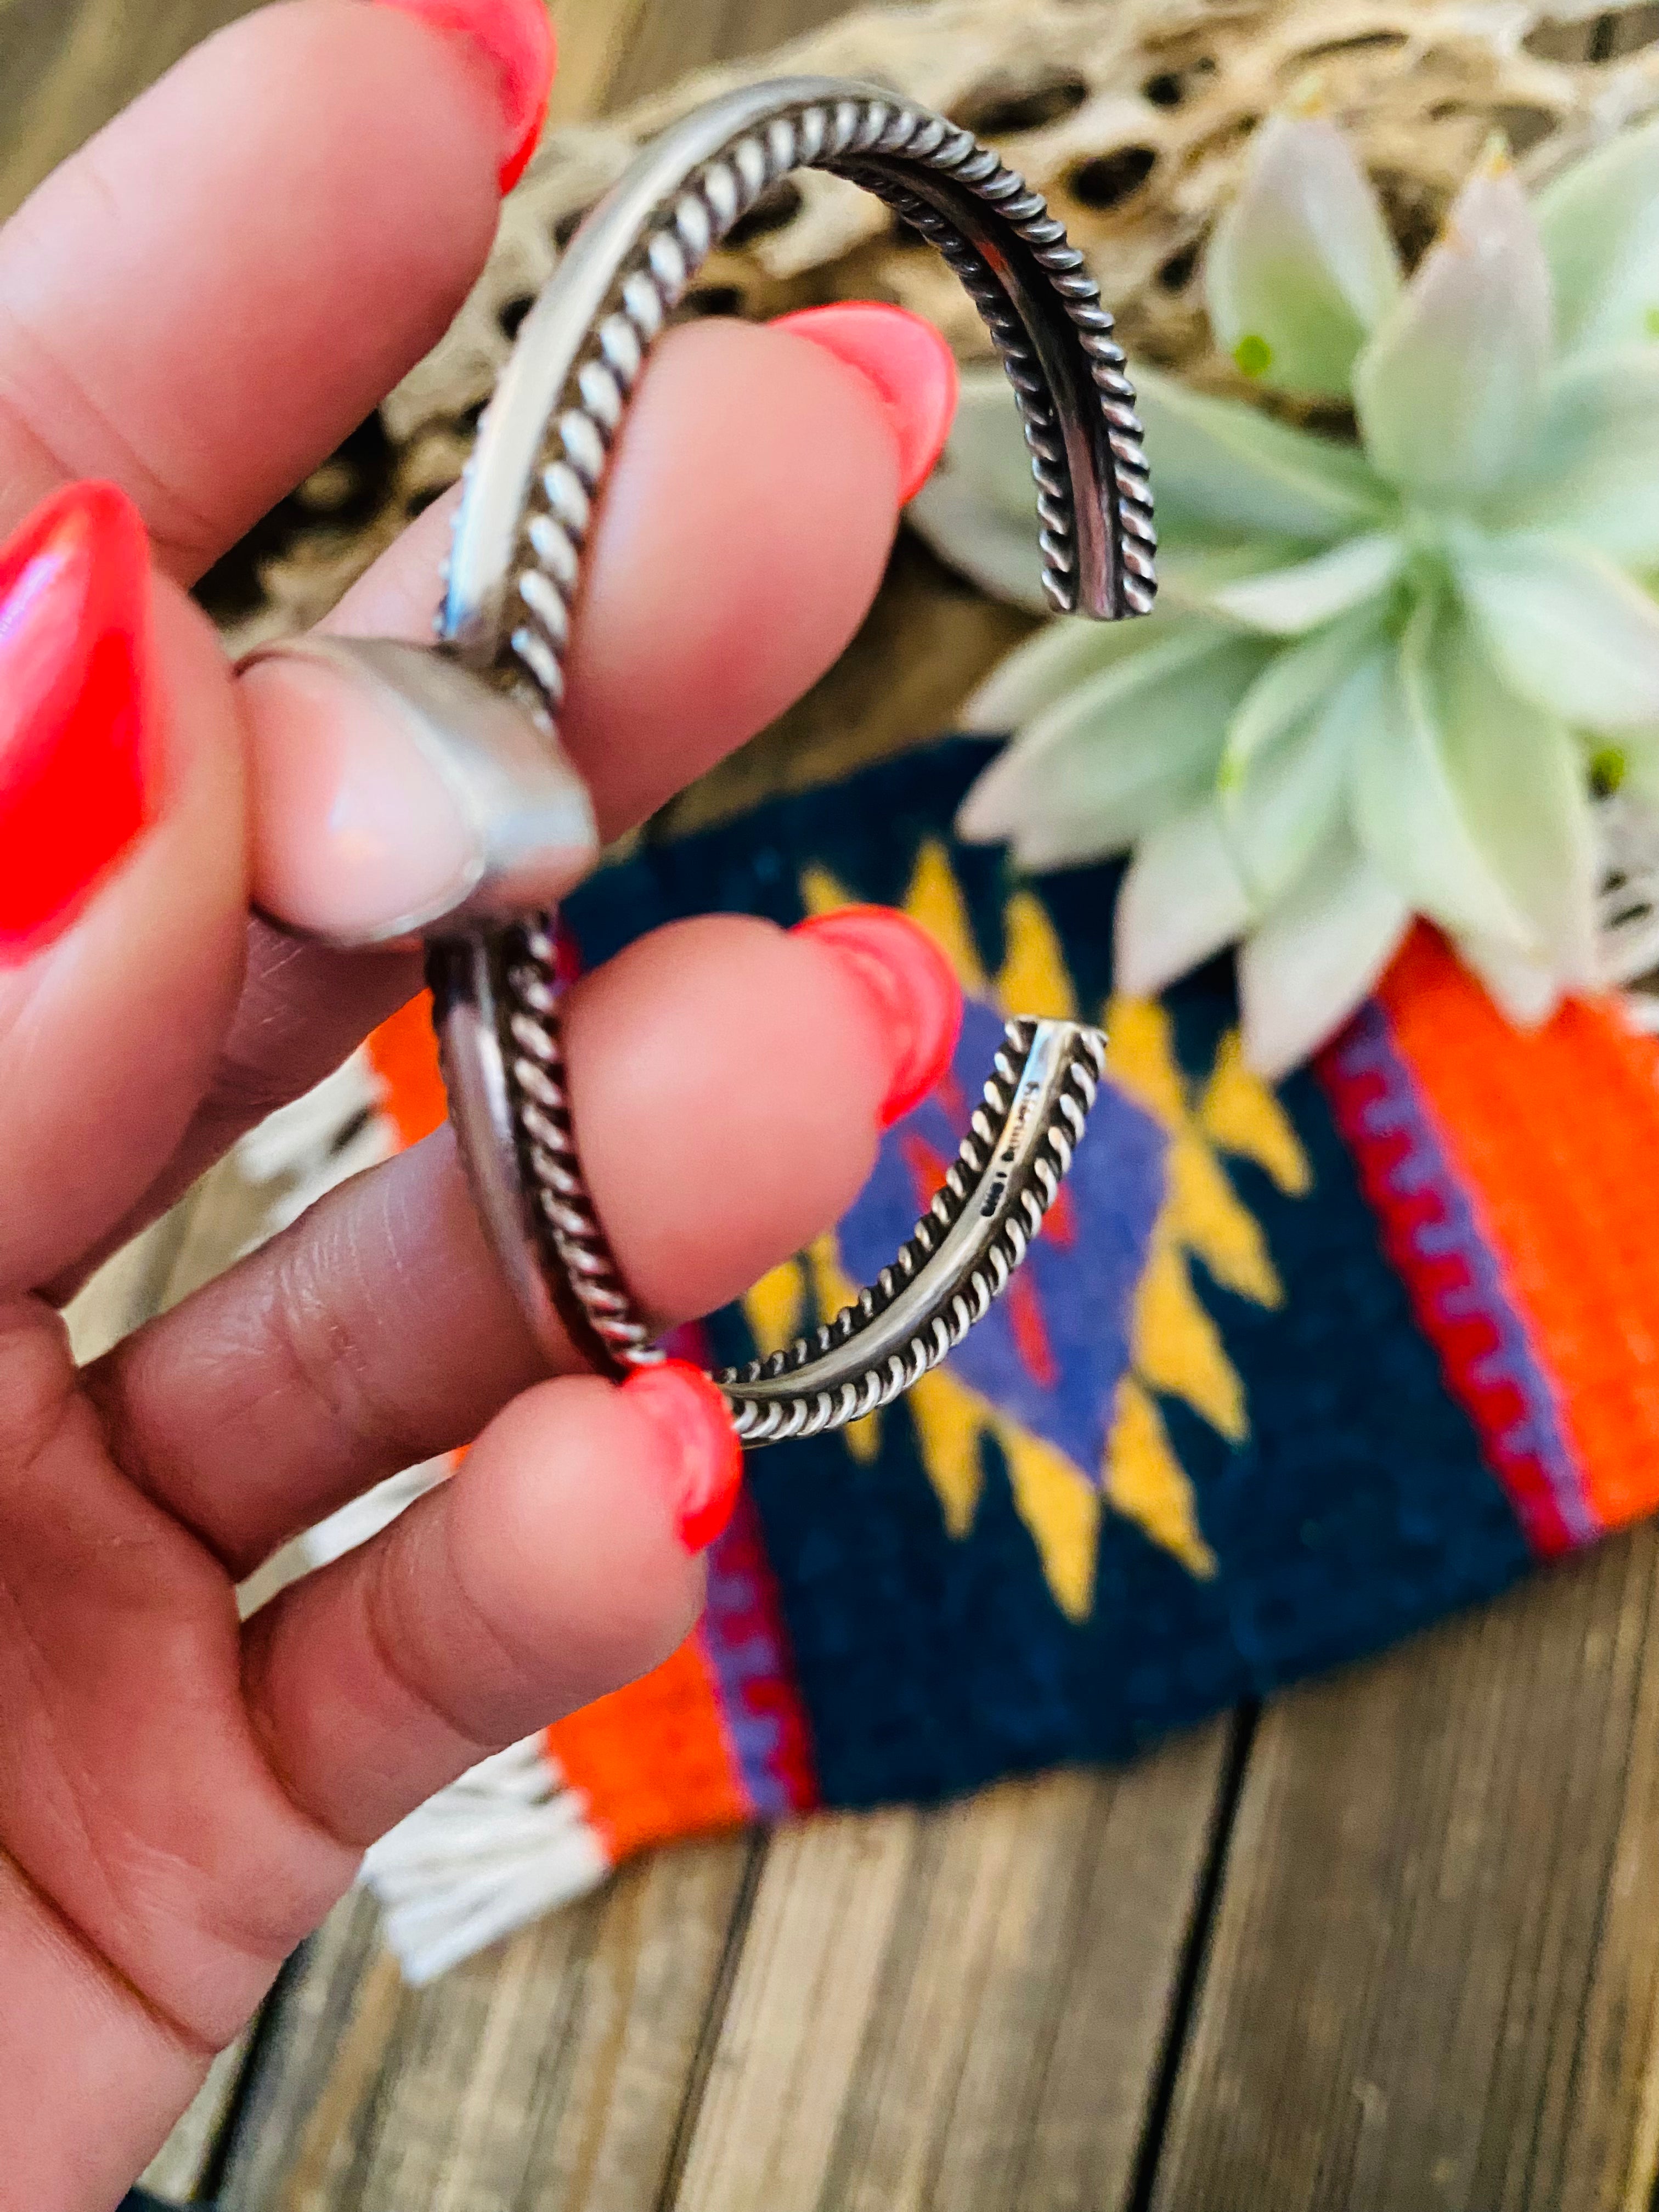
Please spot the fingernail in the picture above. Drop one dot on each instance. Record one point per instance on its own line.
(518, 39)
(909, 362)
(75, 762)
(914, 988)
(701, 1458)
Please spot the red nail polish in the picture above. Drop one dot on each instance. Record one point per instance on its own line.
(75, 767)
(518, 37)
(700, 1448)
(911, 366)
(914, 989)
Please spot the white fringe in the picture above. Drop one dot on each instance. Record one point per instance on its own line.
(494, 1851)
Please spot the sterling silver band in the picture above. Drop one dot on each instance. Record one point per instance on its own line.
(513, 580)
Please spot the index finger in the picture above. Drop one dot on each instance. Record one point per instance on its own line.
(201, 303)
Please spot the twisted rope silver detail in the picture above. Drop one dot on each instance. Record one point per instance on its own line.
(847, 137)
(577, 1244)
(959, 1306)
(567, 1221)
(510, 616)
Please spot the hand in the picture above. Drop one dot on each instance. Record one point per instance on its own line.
(192, 313)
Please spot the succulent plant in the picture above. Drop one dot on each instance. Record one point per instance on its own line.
(1388, 674)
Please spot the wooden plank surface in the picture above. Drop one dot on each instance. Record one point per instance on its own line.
(553, 2071)
(1432, 1974)
(960, 2007)
(963, 2006)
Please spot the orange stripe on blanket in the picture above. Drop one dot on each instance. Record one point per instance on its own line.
(404, 1053)
(1555, 1136)
(653, 1760)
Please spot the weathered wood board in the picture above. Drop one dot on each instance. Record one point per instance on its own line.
(1433, 1971)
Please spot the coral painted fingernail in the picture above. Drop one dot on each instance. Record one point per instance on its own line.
(75, 765)
(517, 36)
(701, 1458)
(910, 364)
(914, 989)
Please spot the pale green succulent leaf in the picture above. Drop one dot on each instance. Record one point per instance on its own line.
(1521, 783)
(1599, 225)
(1055, 660)
(1638, 753)
(1284, 785)
(988, 548)
(1125, 750)
(987, 442)
(1198, 570)
(1293, 685)
(1288, 602)
(1448, 387)
(978, 508)
(1195, 565)
(1408, 814)
(1222, 466)
(1593, 468)
(1522, 985)
(1568, 629)
(1224, 473)
(1303, 970)
(978, 512)
(1182, 899)
(1300, 265)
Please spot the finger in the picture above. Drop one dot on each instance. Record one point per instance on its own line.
(123, 884)
(685, 646)
(743, 532)
(556, 1565)
(201, 303)
(727, 1083)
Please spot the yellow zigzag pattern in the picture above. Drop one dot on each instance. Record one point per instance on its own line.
(1175, 1349)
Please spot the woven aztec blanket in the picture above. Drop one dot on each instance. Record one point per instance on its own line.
(1289, 1374)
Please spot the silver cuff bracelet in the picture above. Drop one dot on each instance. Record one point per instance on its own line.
(513, 580)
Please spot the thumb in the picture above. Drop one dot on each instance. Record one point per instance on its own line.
(123, 897)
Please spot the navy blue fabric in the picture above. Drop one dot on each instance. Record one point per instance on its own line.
(1358, 1510)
